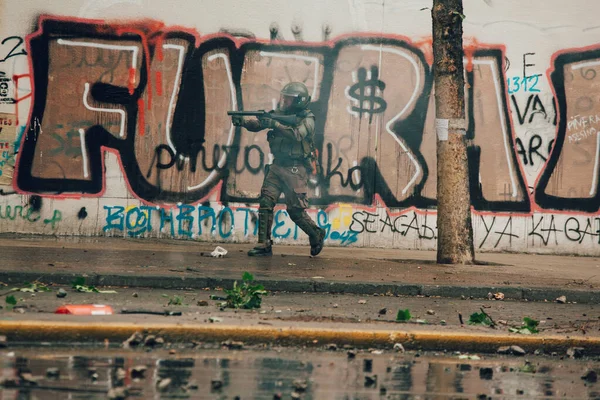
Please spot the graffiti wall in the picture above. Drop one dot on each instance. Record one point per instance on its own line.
(113, 120)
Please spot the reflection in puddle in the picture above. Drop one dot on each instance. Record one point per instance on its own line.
(306, 374)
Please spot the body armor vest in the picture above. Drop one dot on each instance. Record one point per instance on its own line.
(283, 147)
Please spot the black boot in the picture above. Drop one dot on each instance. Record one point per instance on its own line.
(265, 221)
(316, 244)
(315, 234)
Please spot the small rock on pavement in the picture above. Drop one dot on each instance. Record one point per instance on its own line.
(561, 300)
(362, 301)
(216, 384)
(61, 293)
(575, 352)
(370, 381)
(300, 385)
(590, 376)
(120, 374)
(138, 372)
(336, 305)
(351, 354)
(486, 374)
(135, 295)
(430, 312)
(516, 350)
(233, 345)
(212, 320)
(383, 311)
(202, 303)
(399, 347)
(331, 347)
(163, 384)
(119, 393)
(3, 342)
(134, 340)
(53, 373)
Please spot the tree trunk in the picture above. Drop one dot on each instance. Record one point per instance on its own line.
(455, 232)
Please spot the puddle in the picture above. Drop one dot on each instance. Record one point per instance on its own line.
(291, 373)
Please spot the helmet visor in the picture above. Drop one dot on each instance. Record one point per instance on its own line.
(286, 102)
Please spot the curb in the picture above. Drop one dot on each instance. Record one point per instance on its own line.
(307, 285)
(71, 332)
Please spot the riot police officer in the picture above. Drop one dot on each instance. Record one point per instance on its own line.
(292, 148)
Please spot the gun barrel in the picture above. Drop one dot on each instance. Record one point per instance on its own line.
(246, 113)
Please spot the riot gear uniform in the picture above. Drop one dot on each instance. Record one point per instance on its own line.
(292, 149)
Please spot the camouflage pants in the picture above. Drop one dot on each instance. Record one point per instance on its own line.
(293, 183)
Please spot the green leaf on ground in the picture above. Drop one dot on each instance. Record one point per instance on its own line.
(80, 286)
(528, 327)
(246, 295)
(480, 319)
(403, 315)
(11, 301)
(33, 288)
(174, 301)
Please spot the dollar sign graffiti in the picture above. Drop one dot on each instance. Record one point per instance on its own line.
(364, 93)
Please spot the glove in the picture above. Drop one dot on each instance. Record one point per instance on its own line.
(237, 120)
(267, 123)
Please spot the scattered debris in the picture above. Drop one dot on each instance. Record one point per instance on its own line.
(52, 373)
(575, 352)
(490, 296)
(315, 277)
(300, 385)
(460, 318)
(150, 312)
(331, 347)
(443, 322)
(529, 327)
(218, 252)
(135, 295)
(528, 368)
(233, 345)
(216, 384)
(421, 321)
(246, 295)
(84, 309)
(202, 303)
(138, 372)
(403, 316)
(463, 297)
(336, 305)
(499, 296)
(11, 301)
(377, 352)
(62, 293)
(362, 301)
(486, 374)
(591, 376)
(119, 393)
(370, 381)
(474, 357)
(481, 318)
(80, 286)
(398, 347)
(175, 300)
(32, 288)
(430, 312)
(164, 384)
(516, 350)
(383, 311)
(561, 300)
(134, 340)
(212, 320)
(351, 354)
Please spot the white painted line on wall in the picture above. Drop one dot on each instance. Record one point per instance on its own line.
(133, 49)
(86, 173)
(412, 99)
(86, 91)
(492, 64)
(181, 50)
(234, 107)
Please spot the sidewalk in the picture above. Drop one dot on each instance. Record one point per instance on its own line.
(187, 264)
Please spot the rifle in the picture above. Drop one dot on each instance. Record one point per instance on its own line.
(288, 120)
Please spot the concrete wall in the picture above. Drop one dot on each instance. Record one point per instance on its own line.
(113, 117)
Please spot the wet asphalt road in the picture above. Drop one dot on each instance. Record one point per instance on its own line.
(288, 373)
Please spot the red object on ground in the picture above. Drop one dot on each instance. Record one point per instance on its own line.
(84, 309)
